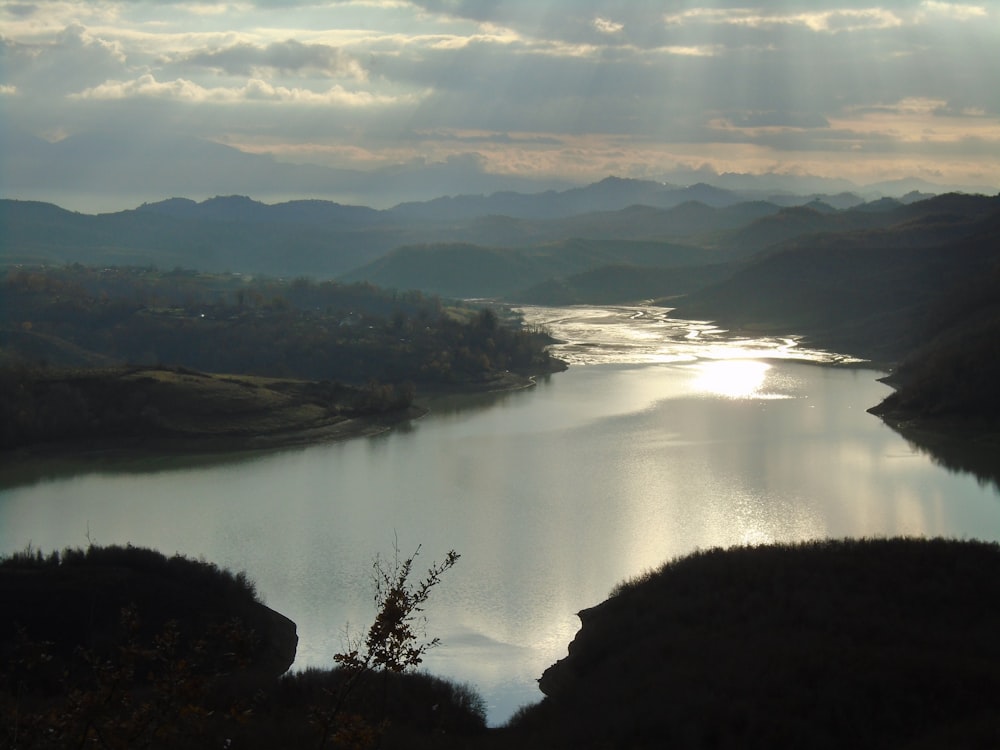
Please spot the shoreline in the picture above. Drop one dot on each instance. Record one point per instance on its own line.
(34, 462)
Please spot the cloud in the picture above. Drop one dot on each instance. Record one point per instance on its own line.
(830, 21)
(774, 119)
(956, 11)
(21, 10)
(288, 56)
(71, 59)
(607, 27)
(913, 105)
(566, 87)
(467, 137)
(704, 50)
(255, 90)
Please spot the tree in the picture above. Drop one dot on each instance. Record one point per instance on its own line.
(395, 641)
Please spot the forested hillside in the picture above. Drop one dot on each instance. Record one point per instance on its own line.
(321, 331)
(369, 351)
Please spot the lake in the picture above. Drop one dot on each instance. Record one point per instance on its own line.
(663, 437)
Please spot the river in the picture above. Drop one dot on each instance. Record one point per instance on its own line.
(663, 437)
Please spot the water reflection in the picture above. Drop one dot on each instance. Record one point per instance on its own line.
(977, 455)
(647, 334)
(732, 378)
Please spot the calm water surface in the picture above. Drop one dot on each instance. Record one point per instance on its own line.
(663, 437)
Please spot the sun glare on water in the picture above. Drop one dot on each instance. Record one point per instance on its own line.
(732, 378)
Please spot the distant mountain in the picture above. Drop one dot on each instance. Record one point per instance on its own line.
(687, 219)
(635, 222)
(610, 194)
(771, 185)
(479, 256)
(322, 238)
(242, 208)
(465, 270)
(226, 234)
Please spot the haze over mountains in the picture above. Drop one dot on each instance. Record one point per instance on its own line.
(110, 171)
(509, 240)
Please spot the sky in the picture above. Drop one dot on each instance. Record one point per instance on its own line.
(571, 90)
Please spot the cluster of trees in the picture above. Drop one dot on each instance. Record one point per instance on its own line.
(321, 331)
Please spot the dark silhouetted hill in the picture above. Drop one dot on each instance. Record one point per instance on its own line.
(75, 600)
(948, 382)
(863, 292)
(862, 644)
(826, 644)
(805, 221)
(124, 647)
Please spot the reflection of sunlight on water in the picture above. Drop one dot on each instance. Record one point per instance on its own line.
(733, 378)
(634, 335)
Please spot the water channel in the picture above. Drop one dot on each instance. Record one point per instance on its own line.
(664, 436)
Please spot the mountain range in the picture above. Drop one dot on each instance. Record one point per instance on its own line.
(104, 171)
(328, 239)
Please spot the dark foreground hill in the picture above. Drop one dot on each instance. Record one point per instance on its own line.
(853, 643)
(76, 599)
(861, 644)
(123, 647)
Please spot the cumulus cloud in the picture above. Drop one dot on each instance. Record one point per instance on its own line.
(71, 59)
